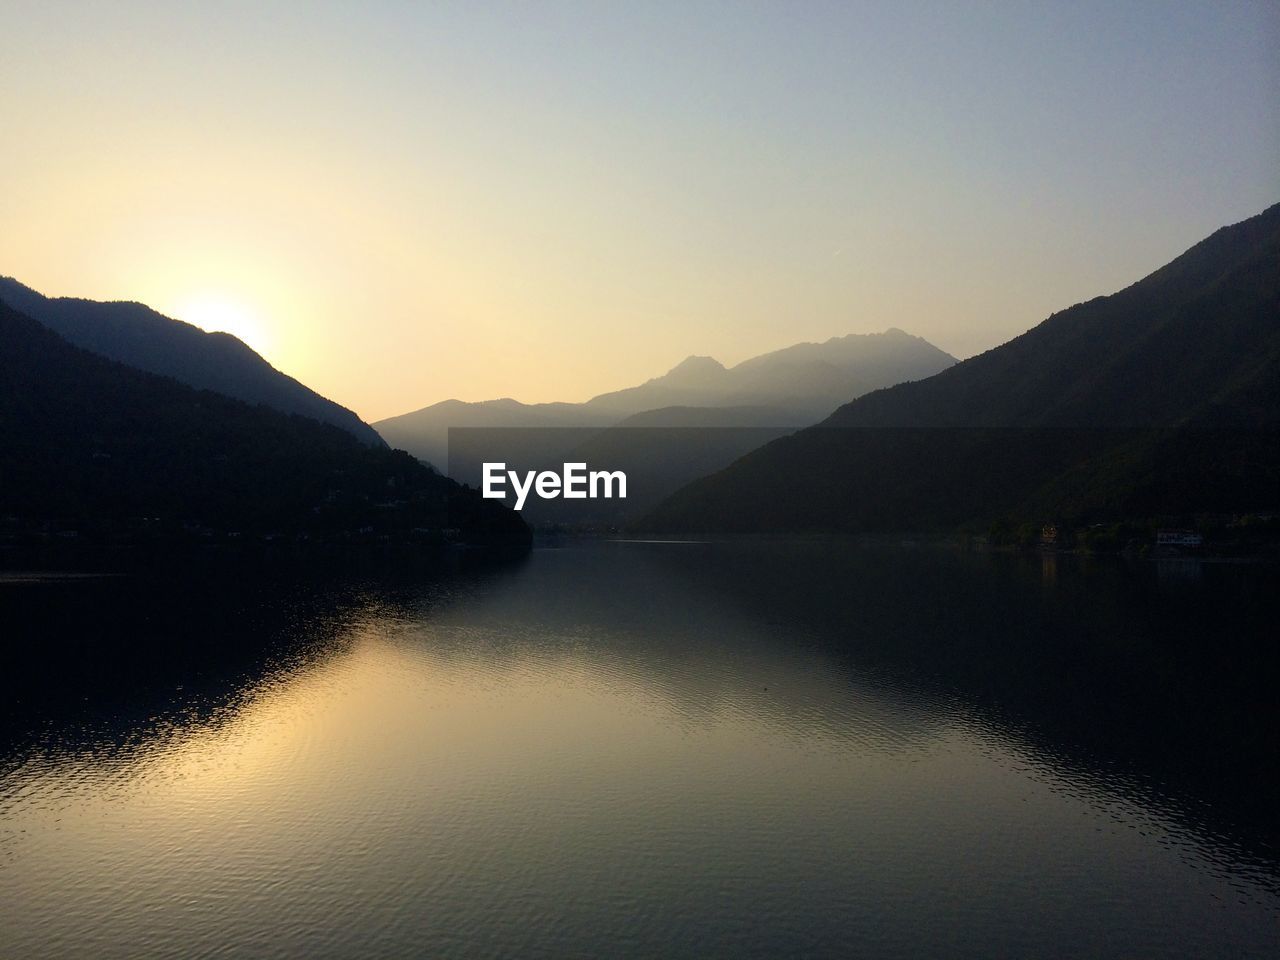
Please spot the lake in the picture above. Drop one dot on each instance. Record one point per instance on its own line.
(749, 749)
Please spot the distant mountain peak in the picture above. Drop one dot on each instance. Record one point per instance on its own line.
(697, 360)
(696, 366)
(791, 387)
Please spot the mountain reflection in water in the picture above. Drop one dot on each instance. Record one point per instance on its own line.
(743, 749)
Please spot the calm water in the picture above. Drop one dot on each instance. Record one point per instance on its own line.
(642, 749)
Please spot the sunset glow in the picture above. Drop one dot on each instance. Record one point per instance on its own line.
(215, 313)
(403, 205)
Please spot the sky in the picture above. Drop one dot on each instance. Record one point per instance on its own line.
(398, 203)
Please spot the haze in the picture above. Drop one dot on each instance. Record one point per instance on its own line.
(401, 203)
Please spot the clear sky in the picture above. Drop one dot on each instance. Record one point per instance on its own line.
(403, 202)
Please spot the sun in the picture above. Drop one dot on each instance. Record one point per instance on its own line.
(215, 313)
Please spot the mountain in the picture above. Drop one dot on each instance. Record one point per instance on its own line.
(1162, 399)
(136, 335)
(792, 387)
(710, 417)
(808, 379)
(92, 445)
(425, 432)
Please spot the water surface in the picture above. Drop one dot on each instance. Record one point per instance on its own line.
(748, 749)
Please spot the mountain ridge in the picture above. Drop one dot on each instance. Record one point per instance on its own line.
(809, 377)
(1075, 332)
(92, 444)
(137, 335)
(1163, 397)
(796, 385)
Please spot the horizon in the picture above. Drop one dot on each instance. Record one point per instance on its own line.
(670, 369)
(228, 328)
(401, 207)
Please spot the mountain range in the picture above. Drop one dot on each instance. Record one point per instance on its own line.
(1162, 399)
(760, 399)
(93, 446)
(806, 380)
(134, 334)
(791, 387)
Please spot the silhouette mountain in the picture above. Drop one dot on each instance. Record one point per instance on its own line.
(1161, 399)
(808, 379)
(425, 432)
(134, 334)
(102, 448)
(793, 387)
